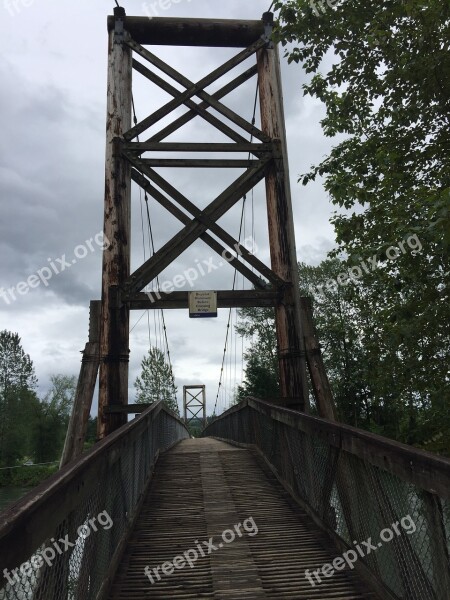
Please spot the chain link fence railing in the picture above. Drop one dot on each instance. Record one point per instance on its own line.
(63, 540)
(361, 488)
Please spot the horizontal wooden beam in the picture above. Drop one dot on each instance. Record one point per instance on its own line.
(215, 33)
(199, 163)
(128, 409)
(193, 147)
(225, 299)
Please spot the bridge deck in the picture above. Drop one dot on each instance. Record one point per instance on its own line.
(202, 488)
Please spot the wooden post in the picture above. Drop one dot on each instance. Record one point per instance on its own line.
(291, 349)
(115, 318)
(76, 432)
(319, 378)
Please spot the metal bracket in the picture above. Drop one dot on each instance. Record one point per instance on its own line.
(114, 358)
(268, 20)
(285, 294)
(277, 154)
(285, 354)
(119, 25)
(115, 299)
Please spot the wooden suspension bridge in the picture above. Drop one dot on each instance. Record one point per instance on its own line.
(271, 502)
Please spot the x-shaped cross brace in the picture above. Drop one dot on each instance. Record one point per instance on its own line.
(206, 219)
(195, 89)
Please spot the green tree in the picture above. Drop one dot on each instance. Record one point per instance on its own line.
(195, 428)
(61, 396)
(157, 381)
(91, 433)
(371, 378)
(17, 399)
(381, 71)
(53, 418)
(261, 372)
(386, 90)
(340, 330)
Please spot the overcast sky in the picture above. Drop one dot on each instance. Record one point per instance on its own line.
(52, 107)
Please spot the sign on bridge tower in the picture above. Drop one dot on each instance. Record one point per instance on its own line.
(130, 160)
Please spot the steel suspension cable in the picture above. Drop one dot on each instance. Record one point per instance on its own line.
(164, 328)
(162, 321)
(235, 271)
(135, 120)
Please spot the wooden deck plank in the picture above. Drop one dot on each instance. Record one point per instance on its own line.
(202, 488)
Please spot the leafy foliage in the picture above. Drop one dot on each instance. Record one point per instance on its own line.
(53, 418)
(261, 374)
(16, 367)
(378, 384)
(18, 400)
(30, 427)
(388, 92)
(195, 428)
(381, 71)
(91, 433)
(156, 381)
(26, 476)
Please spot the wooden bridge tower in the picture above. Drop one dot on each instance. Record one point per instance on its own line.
(194, 404)
(128, 160)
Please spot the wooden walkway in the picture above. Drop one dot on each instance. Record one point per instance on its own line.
(201, 489)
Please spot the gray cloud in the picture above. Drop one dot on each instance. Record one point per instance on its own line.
(52, 102)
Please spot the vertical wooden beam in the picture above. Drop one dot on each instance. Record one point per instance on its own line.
(204, 406)
(114, 339)
(321, 385)
(291, 348)
(76, 431)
